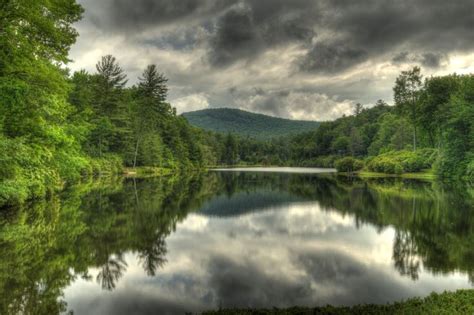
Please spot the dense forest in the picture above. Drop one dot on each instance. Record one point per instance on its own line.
(247, 124)
(58, 127)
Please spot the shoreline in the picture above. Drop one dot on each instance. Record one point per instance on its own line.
(455, 302)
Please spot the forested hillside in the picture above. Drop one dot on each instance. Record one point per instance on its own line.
(247, 124)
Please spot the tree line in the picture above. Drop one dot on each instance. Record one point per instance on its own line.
(430, 126)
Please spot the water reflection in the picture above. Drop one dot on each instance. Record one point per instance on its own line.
(183, 244)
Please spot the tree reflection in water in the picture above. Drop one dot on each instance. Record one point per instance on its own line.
(405, 255)
(47, 245)
(111, 272)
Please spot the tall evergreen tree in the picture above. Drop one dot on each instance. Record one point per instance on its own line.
(112, 118)
(150, 111)
(407, 92)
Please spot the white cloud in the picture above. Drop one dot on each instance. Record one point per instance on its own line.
(190, 103)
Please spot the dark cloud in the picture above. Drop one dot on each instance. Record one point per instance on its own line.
(353, 31)
(222, 49)
(432, 60)
(236, 37)
(245, 284)
(338, 277)
(354, 281)
(428, 59)
(401, 57)
(250, 27)
(332, 57)
(131, 302)
(362, 30)
(132, 16)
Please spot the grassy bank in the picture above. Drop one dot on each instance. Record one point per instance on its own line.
(425, 175)
(146, 171)
(459, 302)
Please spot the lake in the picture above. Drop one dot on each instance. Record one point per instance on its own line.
(239, 238)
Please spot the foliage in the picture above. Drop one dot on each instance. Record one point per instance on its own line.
(349, 164)
(39, 147)
(397, 162)
(457, 138)
(459, 302)
(407, 91)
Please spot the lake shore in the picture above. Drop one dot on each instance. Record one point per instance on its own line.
(424, 175)
(459, 302)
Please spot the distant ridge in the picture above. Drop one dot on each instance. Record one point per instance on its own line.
(245, 123)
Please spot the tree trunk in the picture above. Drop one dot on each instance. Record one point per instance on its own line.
(136, 153)
(100, 146)
(414, 138)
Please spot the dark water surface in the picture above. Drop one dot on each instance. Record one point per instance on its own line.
(235, 239)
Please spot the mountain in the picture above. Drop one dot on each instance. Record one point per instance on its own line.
(245, 123)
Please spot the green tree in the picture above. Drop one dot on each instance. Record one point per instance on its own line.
(35, 37)
(112, 116)
(150, 112)
(435, 104)
(407, 91)
(230, 150)
(358, 108)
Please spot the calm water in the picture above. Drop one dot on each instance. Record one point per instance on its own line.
(235, 239)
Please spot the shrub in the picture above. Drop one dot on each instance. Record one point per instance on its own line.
(383, 164)
(110, 164)
(349, 164)
(397, 162)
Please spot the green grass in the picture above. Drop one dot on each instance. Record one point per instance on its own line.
(145, 171)
(459, 302)
(425, 174)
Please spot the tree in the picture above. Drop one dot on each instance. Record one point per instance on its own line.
(356, 142)
(407, 91)
(152, 84)
(231, 150)
(457, 154)
(151, 109)
(110, 108)
(435, 105)
(35, 37)
(358, 109)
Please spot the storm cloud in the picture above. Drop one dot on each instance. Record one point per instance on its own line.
(331, 53)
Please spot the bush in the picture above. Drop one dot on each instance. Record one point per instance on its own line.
(384, 164)
(349, 164)
(110, 164)
(397, 162)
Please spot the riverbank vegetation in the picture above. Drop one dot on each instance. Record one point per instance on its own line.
(459, 302)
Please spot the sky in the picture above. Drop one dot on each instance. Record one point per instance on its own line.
(298, 59)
